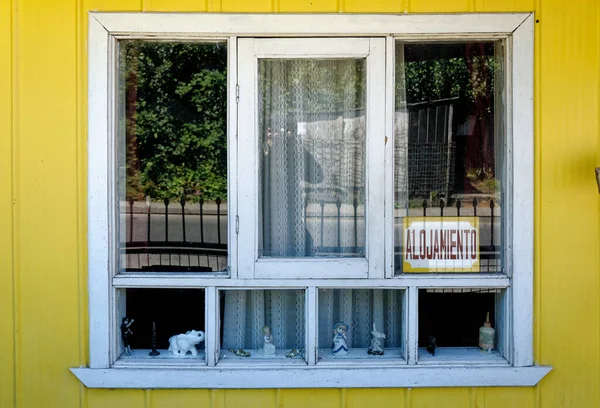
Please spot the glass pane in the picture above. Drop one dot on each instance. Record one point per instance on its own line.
(449, 158)
(361, 324)
(172, 156)
(155, 317)
(312, 143)
(263, 324)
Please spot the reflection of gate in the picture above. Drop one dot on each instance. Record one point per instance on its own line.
(174, 237)
(431, 149)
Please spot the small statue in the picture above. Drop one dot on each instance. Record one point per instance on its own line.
(339, 346)
(126, 334)
(431, 344)
(268, 346)
(180, 344)
(154, 352)
(239, 352)
(376, 349)
(293, 353)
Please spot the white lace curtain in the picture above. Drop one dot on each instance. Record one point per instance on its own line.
(312, 137)
(246, 312)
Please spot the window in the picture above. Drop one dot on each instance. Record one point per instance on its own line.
(300, 188)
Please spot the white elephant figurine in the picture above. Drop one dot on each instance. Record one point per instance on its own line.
(180, 344)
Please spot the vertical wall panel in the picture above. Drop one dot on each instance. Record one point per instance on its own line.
(440, 397)
(6, 206)
(115, 399)
(309, 6)
(569, 204)
(180, 399)
(504, 6)
(428, 6)
(255, 6)
(508, 397)
(380, 6)
(250, 398)
(176, 5)
(378, 397)
(321, 398)
(47, 238)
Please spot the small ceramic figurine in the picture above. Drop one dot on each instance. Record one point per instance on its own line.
(376, 348)
(240, 352)
(431, 344)
(126, 334)
(339, 346)
(268, 346)
(292, 353)
(180, 344)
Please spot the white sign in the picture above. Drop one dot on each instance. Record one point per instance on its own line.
(440, 244)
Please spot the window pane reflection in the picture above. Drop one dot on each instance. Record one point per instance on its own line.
(449, 138)
(172, 155)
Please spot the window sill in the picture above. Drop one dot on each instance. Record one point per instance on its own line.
(311, 377)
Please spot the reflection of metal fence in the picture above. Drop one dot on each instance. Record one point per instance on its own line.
(431, 148)
(181, 239)
(430, 168)
(490, 244)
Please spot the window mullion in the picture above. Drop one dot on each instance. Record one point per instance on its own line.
(212, 328)
(312, 320)
(232, 162)
(412, 336)
(375, 159)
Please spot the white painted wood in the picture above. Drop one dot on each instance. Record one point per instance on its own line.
(205, 24)
(312, 377)
(98, 185)
(307, 268)
(312, 319)
(251, 50)
(461, 356)
(390, 106)
(313, 48)
(213, 326)
(412, 335)
(232, 155)
(391, 356)
(113, 196)
(523, 193)
(193, 281)
(140, 359)
(247, 165)
(375, 159)
(257, 361)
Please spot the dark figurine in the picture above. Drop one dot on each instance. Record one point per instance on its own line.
(431, 344)
(126, 334)
(154, 351)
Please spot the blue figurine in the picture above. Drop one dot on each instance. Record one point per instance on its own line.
(339, 346)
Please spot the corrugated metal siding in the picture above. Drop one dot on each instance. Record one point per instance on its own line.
(43, 300)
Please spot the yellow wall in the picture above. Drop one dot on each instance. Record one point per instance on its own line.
(43, 296)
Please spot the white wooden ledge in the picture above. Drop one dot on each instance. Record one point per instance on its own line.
(312, 377)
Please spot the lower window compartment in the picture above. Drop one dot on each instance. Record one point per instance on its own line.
(449, 326)
(159, 315)
(361, 325)
(265, 327)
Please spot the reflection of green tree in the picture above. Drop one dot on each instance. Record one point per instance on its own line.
(465, 71)
(178, 130)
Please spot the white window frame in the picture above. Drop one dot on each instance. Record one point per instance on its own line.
(371, 264)
(107, 28)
